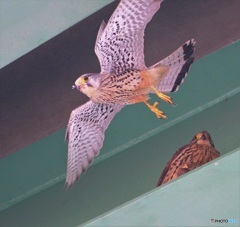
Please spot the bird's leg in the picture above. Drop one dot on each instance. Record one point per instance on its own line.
(162, 96)
(155, 110)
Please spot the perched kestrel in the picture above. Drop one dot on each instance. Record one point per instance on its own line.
(124, 79)
(198, 152)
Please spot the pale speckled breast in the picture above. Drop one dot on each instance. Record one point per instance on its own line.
(119, 88)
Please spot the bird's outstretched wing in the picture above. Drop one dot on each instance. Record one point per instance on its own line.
(120, 44)
(85, 132)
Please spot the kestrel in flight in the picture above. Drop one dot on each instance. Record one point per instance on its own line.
(124, 79)
(198, 152)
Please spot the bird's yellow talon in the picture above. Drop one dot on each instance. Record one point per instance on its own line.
(163, 96)
(155, 110)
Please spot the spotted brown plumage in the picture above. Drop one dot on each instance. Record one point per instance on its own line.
(124, 79)
(198, 152)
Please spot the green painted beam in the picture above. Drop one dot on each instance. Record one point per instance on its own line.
(200, 198)
(121, 177)
(25, 24)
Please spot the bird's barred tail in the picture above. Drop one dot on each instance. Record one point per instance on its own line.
(179, 63)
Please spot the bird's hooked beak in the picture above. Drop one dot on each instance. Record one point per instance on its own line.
(198, 136)
(80, 82)
(204, 137)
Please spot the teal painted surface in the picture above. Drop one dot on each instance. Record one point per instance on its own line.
(134, 154)
(121, 177)
(210, 192)
(32, 169)
(23, 23)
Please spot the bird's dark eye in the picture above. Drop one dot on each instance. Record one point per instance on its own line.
(203, 137)
(85, 78)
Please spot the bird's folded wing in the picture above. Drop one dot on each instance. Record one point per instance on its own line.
(85, 133)
(170, 169)
(119, 44)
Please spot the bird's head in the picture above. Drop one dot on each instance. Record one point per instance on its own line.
(203, 138)
(88, 83)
